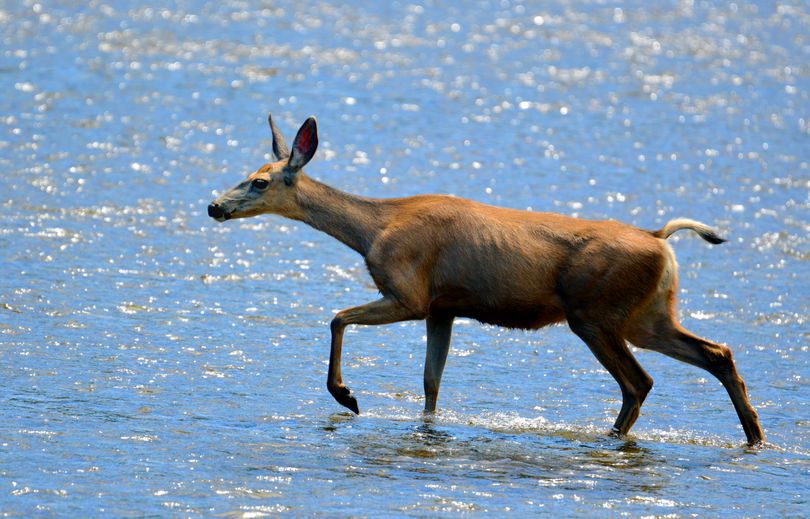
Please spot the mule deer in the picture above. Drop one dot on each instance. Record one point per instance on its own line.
(437, 257)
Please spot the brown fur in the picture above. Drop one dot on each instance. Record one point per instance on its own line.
(438, 257)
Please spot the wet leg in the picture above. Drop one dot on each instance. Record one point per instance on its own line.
(439, 330)
(612, 352)
(382, 311)
(718, 360)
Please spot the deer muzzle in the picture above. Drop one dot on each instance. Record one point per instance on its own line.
(217, 213)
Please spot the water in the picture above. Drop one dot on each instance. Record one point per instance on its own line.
(153, 362)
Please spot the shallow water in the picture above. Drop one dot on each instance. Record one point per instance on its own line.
(153, 362)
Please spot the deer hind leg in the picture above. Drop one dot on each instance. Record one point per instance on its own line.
(671, 339)
(612, 352)
(439, 329)
(382, 311)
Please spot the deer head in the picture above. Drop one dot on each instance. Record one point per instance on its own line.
(271, 188)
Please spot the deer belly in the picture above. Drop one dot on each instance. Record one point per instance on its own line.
(510, 313)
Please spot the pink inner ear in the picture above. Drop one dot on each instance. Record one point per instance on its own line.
(304, 140)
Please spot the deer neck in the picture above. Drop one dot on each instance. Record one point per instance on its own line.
(354, 220)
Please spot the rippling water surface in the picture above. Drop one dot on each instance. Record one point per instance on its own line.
(153, 362)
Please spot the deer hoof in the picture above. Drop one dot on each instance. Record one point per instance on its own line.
(757, 443)
(345, 398)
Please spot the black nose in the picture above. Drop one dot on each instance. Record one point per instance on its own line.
(215, 211)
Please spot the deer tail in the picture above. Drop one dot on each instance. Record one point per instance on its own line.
(703, 230)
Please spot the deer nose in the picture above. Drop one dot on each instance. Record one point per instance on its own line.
(215, 211)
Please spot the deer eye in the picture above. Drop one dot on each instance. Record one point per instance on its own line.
(260, 183)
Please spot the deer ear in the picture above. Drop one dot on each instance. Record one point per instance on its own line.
(280, 149)
(304, 145)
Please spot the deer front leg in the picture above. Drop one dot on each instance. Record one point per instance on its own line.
(382, 311)
(439, 330)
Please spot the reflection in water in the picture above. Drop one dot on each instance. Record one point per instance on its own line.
(429, 434)
(453, 459)
(335, 419)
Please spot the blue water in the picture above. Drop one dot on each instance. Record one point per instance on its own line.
(155, 363)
